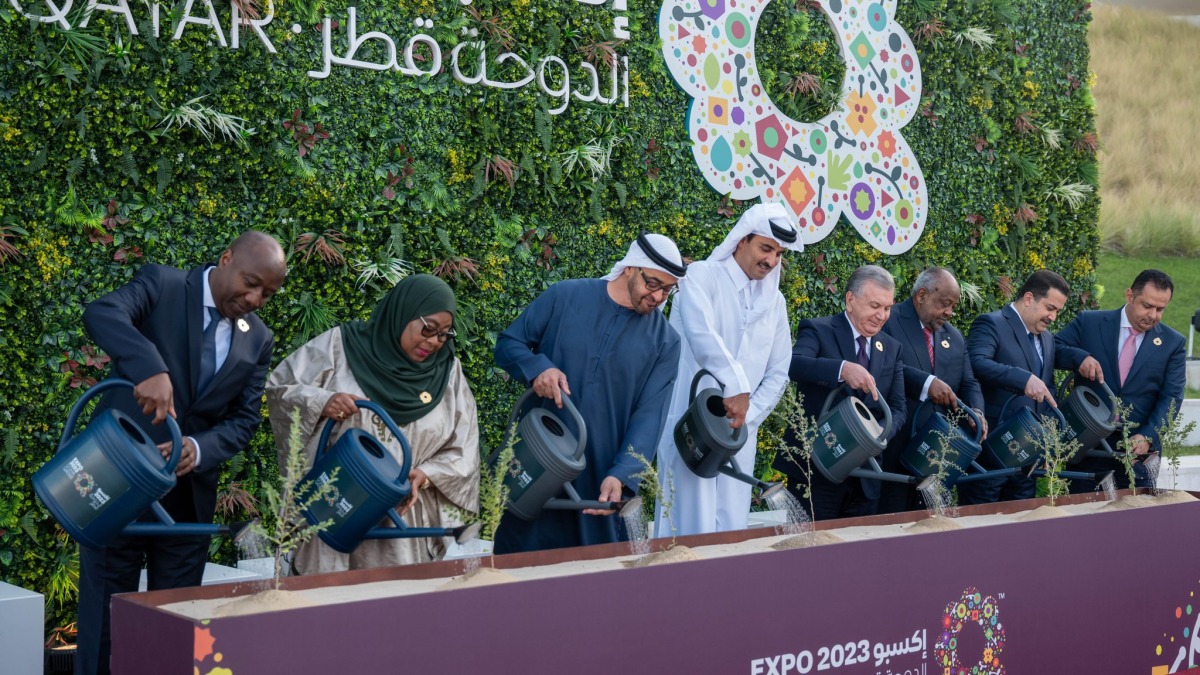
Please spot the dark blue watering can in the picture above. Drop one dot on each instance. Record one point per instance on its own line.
(547, 456)
(919, 456)
(105, 478)
(367, 485)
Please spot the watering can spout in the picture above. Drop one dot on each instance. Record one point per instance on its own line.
(466, 533)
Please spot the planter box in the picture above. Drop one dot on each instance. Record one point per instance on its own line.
(22, 625)
(1108, 592)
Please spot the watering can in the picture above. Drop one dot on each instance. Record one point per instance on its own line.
(1090, 417)
(849, 437)
(546, 458)
(103, 479)
(1013, 443)
(928, 435)
(368, 484)
(707, 443)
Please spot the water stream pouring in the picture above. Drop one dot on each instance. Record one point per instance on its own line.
(547, 456)
(368, 485)
(920, 456)
(106, 477)
(849, 437)
(707, 443)
(1091, 417)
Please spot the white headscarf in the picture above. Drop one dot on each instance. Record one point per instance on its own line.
(757, 220)
(636, 257)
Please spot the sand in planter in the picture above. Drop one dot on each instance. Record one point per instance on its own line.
(1044, 512)
(1130, 502)
(266, 601)
(807, 540)
(1173, 497)
(933, 524)
(481, 576)
(671, 555)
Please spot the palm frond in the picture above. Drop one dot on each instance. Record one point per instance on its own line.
(207, 120)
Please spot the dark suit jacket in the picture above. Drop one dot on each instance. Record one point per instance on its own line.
(1003, 359)
(951, 365)
(1156, 378)
(821, 346)
(154, 324)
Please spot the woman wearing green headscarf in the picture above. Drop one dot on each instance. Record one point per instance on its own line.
(403, 360)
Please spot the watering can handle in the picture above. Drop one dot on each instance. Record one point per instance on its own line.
(696, 383)
(512, 420)
(112, 383)
(1063, 389)
(1062, 421)
(887, 410)
(962, 406)
(405, 448)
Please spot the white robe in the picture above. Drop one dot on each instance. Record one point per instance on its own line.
(736, 329)
(445, 445)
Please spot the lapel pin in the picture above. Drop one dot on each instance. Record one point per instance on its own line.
(243, 326)
(878, 346)
(945, 344)
(1157, 342)
(426, 397)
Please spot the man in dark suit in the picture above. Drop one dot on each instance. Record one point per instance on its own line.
(848, 348)
(1013, 356)
(196, 351)
(936, 367)
(1142, 362)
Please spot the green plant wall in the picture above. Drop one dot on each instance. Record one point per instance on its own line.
(117, 150)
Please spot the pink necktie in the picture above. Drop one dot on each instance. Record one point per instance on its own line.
(929, 344)
(1128, 351)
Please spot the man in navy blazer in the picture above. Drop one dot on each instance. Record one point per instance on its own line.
(1012, 353)
(1155, 370)
(921, 326)
(829, 352)
(155, 329)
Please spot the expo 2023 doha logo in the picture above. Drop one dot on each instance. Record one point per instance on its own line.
(852, 162)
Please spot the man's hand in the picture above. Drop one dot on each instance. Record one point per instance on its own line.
(341, 406)
(735, 409)
(982, 420)
(941, 394)
(550, 384)
(1090, 368)
(1139, 444)
(610, 491)
(187, 456)
(156, 397)
(1036, 390)
(858, 378)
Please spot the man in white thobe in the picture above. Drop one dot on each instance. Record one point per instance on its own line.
(732, 321)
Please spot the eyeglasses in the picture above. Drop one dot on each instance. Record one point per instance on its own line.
(654, 285)
(432, 331)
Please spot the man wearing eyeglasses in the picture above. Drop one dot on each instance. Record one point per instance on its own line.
(601, 342)
(733, 323)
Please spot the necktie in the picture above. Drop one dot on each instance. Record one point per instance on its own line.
(1037, 358)
(208, 351)
(929, 345)
(864, 358)
(1128, 351)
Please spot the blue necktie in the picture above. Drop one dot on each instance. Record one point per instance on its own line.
(864, 358)
(208, 352)
(1037, 359)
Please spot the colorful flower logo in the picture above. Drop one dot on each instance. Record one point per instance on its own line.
(84, 483)
(972, 608)
(852, 162)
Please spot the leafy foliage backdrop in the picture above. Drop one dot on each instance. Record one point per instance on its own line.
(116, 150)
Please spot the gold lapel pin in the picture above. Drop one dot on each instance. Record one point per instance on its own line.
(426, 397)
(878, 346)
(1157, 342)
(243, 326)
(945, 344)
